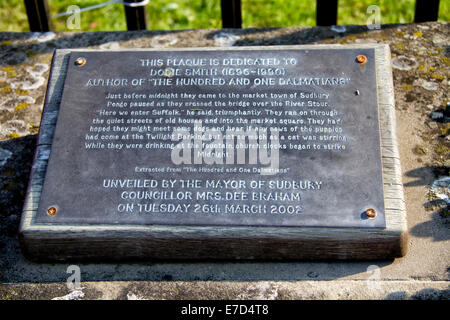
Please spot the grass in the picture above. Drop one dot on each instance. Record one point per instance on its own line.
(192, 14)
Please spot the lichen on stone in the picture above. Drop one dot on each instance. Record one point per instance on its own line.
(407, 86)
(438, 76)
(13, 135)
(21, 106)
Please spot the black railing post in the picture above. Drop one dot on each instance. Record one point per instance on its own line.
(326, 12)
(426, 10)
(231, 13)
(37, 12)
(136, 18)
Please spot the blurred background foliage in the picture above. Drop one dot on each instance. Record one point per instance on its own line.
(194, 14)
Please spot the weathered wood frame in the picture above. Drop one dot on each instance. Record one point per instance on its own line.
(151, 242)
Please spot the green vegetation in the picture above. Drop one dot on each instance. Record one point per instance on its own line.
(191, 14)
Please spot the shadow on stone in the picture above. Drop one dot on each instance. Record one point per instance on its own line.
(436, 228)
(431, 294)
(14, 174)
(425, 294)
(441, 115)
(397, 295)
(425, 175)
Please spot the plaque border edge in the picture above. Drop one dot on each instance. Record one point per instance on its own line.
(118, 242)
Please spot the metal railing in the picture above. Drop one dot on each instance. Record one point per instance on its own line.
(326, 13)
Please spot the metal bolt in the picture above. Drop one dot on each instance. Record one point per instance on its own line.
(51, 211)
(169, 72)
(361, 59)
(80, 61)
(371, 213)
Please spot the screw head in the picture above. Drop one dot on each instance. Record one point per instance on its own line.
(80, 61)
(169, 72)
(51, 211)
(371, 213)
(361, 59)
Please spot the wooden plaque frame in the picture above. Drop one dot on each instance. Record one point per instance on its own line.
(164, 242)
